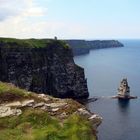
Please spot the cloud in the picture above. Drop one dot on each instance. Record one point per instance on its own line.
(21, 18)
(12, 8)
(9, 8)
(32, 18)
(33, 10)
(28, 19)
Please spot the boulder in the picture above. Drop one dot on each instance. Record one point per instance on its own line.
(56, 105)
(7, 111)
(41, 104)
(14, 104)
(29, 103)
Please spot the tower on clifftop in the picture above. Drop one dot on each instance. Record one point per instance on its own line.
(55, 38)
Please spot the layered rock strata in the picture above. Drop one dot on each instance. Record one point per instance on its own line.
(49, 69)
(124, 89)
(18, 100)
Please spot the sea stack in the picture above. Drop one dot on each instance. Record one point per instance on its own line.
(124, 90)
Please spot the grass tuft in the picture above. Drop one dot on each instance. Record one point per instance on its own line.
(38, 125)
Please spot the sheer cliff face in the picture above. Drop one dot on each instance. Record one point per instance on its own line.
(84, 46)
(50, 69)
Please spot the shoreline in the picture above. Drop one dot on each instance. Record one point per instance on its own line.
(93, 99)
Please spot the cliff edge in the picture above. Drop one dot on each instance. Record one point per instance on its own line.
(80, 47)
(42, 66)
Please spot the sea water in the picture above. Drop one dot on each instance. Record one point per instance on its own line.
(104, 69)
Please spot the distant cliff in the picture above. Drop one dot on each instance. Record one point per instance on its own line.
(83, 46)
(42, 66)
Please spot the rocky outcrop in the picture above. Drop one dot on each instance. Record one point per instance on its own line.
(124, 91)
(54, 106)
(47, 68)
(29, 111)
(8, 111)
(80, 47)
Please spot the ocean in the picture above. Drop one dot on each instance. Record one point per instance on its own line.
(104, 69)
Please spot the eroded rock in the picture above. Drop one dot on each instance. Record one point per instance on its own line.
(56, 105)
(14, 104)
(41, 104)
(44, 97)
(55, 109)
(124, 89)
(96, 120)
(7, 111)
(29, 103)
(84, 112)
(50, 70)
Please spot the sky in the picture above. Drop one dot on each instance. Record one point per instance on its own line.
(70, 19)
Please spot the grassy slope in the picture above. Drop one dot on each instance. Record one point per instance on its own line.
(31, 43)
(10, 93)
(35, 124)
(38, 125)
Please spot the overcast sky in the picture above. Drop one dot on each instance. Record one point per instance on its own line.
(70, 19)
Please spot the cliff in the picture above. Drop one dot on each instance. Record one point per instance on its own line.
(42, 66)
(26, 115)
(79, 47)
(84, 46)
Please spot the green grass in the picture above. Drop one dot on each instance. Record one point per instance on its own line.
(31, 43)
(9, 88)
(38, 125)
(77, 128)
(10, 93)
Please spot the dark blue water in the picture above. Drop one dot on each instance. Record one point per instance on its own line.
(104, 70)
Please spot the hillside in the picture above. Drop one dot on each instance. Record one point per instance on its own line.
(26, 115)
